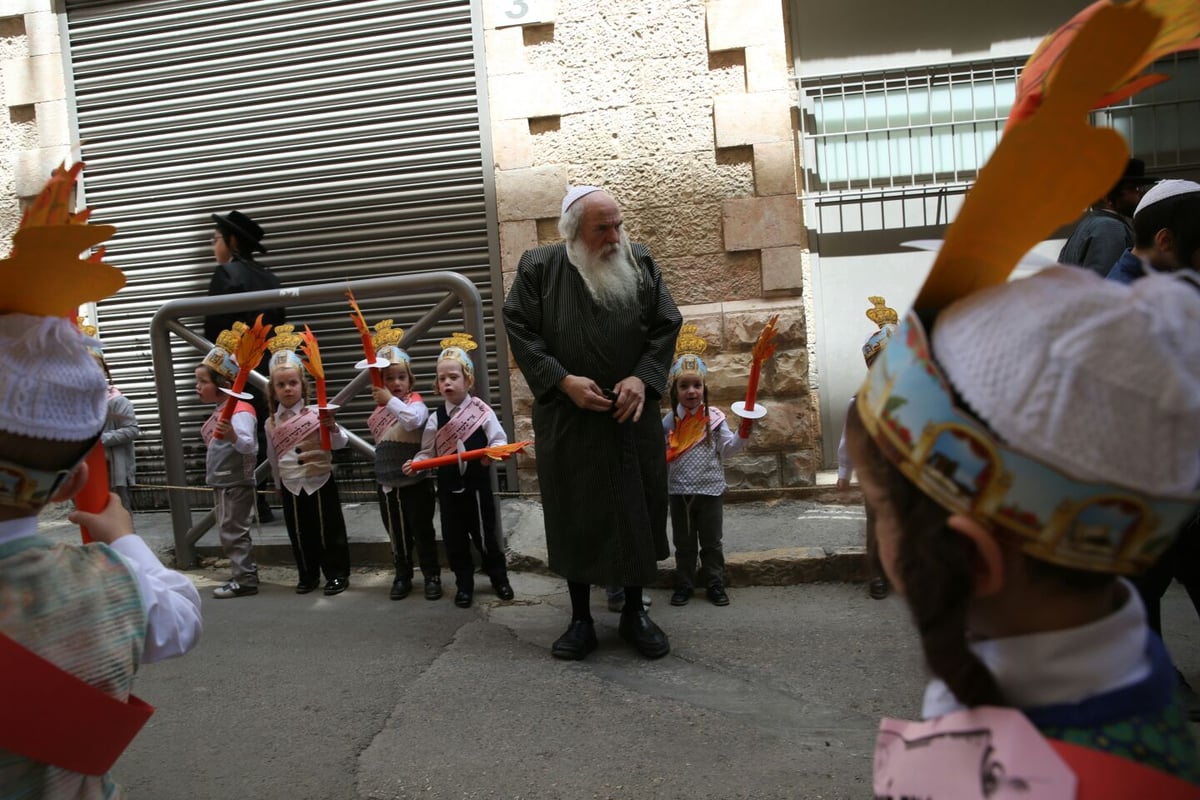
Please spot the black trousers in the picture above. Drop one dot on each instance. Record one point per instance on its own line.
(408, 518)
(469, 517)
(696, 528)
(317, 531)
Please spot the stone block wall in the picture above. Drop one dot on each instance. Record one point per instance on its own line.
(34, 132)
(683, 111)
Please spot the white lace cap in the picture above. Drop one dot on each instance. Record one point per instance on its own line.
(1098, 379)
(576, 193)
(1164, 190)
(50, 385)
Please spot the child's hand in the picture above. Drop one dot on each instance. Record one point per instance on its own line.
(843, 484)
(382, 395)
(224, 429)
(109, 525)
(406, 468)
(327, 420)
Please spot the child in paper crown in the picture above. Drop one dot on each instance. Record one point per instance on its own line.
(405, 501)
(464, 490)
(97, 611)
(1005, 513)
(232, 448)
(698, 438)
(886, 318)
(304, 471)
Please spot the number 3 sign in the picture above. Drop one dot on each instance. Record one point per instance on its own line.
(522, 12)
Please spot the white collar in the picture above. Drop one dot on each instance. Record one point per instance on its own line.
(1061, 667)
(279, 412)
(19, 528)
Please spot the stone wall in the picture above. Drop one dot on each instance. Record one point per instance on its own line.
(682, 110)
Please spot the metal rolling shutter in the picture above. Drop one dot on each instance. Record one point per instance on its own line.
(349, 130)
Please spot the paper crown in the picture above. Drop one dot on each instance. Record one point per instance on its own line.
(221, 358)
(457, 348)
(906, 403)
(386, 340)
(886, 318)
(95, 347)
(688, 349)
(283, 349)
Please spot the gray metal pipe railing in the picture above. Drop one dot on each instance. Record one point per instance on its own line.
(459, 292)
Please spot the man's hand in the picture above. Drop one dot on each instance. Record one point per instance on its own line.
(631, 397)
(584, 393)
(382, 395)
(109, 525)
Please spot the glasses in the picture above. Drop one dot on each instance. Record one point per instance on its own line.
(216, 237)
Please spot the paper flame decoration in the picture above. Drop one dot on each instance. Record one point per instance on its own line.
(364, 331)
(689, 429)
(251, 347)
(311, 355)
(1180, 31)
(765, 346)
(500, 452)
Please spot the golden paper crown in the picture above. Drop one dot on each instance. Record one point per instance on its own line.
(690, 342)
(285, 338)
(463, 341)
(228, 340)
(88, 330)
(880, 313)
(385, 335)
(455, 348)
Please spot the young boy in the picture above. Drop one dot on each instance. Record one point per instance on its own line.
(75, 621)
(464, 490)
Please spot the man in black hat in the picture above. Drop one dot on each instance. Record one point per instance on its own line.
(1105, 232)
(234, 241)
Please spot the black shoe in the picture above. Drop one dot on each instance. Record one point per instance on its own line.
(503, 590)
(433, 588)
(641, 632)
(401, 587)
(462, 598)
(577, 642)
(680, 597)
(304, 587)
(234, 589)
(337, 586)
(265, 515)
(877, 588)
(716, 595)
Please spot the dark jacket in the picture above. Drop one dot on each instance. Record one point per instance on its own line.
(242, 274)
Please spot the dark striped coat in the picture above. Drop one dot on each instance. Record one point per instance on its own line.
(604, 485)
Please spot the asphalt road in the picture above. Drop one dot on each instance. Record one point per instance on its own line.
(290, 698)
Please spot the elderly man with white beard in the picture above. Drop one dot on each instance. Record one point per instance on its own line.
(592, 328)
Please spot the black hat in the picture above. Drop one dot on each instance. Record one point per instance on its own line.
(245, 229)
(1135, 174)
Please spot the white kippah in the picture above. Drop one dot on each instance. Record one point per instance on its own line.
(575, 193)
(1165, 189)
(50, 385)
(1095, 378)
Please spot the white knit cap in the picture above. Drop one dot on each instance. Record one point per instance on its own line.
(1095, 378)
(575, 193)
(50, 385)
(1164, 190)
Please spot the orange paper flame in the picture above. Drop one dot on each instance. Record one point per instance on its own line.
(311, 355)
(1180, 31)
(357, 316)
(764, 348)
(503, 452)
(689, 429)
(252, 345)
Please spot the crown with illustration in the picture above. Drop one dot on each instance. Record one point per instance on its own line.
(283, 347)
(221, 358)
(386, 340)
(457, 347)
(688, 349)
(886, 318)
(1032, 471)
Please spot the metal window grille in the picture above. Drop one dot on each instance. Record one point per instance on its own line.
(1162, 123)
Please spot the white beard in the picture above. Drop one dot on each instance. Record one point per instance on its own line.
(610, 276)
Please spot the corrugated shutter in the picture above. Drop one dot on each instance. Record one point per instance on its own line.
(349, 130)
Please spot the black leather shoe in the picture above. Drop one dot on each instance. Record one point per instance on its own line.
(304, 587)
(680, 597)
(433, 588)
(641, 632)
(337, 586)
(462, 598)
(503, 591)
(577, 642)
(401, 587)
(877, 588)
(716, 595)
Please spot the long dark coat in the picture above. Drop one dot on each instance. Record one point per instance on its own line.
(603, 484)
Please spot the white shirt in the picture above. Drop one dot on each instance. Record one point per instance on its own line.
(491, 428)
(169, 600)
(1061, 667)
(245, 429)
(307, 483)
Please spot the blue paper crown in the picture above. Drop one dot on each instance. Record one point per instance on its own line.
(908, 407)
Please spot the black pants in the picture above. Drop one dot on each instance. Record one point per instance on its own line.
(696, 527)
(1180, 562)
(469, 517)
(317, 531)
(408, 518)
